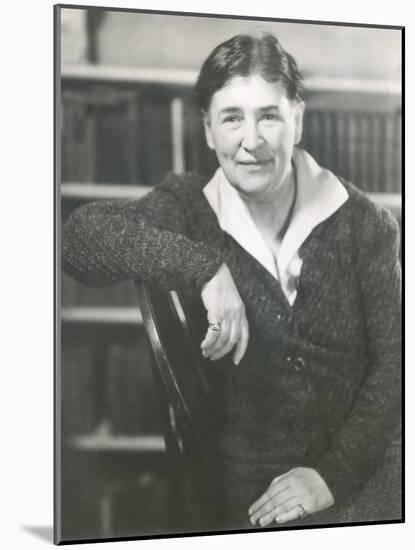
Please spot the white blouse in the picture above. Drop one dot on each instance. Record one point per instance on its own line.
(319, 194)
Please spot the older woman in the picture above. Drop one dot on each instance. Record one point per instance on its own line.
(299, 275)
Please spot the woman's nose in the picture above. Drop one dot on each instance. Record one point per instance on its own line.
(251, 139)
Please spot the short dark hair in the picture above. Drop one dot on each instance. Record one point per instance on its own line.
(243, 55)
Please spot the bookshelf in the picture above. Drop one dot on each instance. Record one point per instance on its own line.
(352, 127)
(122, 130)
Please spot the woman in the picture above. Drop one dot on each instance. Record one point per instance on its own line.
(299, 275)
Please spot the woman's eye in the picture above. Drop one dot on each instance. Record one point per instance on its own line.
(270, 116)
(231, 119)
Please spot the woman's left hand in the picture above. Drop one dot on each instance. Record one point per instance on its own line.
(299, 492)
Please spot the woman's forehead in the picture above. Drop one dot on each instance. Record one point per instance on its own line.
(250, 92)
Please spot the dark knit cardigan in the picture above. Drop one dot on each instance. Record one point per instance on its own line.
(319, 385)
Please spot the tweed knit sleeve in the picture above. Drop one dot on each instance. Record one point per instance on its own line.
(360, 446)
(109, 241)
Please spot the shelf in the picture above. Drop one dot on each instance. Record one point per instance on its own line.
(98, 191)
(129, 75)
(121, 443)
(187, 78)
(392, 201)
(102, 315)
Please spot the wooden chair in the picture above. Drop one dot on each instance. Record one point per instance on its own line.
(184, 401)
(184, 394)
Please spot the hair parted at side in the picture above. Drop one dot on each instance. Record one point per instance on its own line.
(243, 55)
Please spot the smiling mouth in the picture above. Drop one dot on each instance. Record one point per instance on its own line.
(255, 164)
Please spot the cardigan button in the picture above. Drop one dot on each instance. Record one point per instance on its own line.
(285, 318)
(299, 364)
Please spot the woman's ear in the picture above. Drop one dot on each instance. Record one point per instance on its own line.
(299, 108)
(208, 131)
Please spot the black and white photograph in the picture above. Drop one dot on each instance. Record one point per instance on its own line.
(228, 217)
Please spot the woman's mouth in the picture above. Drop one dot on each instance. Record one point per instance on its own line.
(254, 165)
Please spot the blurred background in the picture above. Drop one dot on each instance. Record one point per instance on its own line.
(126, 119)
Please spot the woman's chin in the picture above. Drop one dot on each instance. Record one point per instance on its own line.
(253, 184)
(253, 191)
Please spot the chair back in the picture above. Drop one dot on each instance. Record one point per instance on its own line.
(178, 371)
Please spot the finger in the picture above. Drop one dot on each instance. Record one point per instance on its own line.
(282, 477)
(219, 342)
(242, 343)
(234, 335)
(274, 487)
(270, 493)
(294, 513)
(211, 335)
(226, 348)
(210, 338)
(285, 508)
(271, 504)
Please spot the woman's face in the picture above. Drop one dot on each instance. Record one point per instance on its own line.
(253, 127)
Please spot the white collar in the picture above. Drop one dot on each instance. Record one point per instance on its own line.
(320, 193)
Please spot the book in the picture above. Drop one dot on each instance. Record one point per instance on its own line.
(80, 399)
(131, 405)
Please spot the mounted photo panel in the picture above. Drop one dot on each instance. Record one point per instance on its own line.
(228, 274)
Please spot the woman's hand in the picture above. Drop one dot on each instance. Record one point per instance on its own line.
(299, 492)
(225, 308)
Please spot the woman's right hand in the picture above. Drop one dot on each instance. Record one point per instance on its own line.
(225, 307)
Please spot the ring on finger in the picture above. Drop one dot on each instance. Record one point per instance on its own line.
(302, 511)
(214, 327)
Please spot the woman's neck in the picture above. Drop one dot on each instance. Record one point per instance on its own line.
(271, 215)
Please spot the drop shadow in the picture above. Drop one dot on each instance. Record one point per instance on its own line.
(44, 532)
